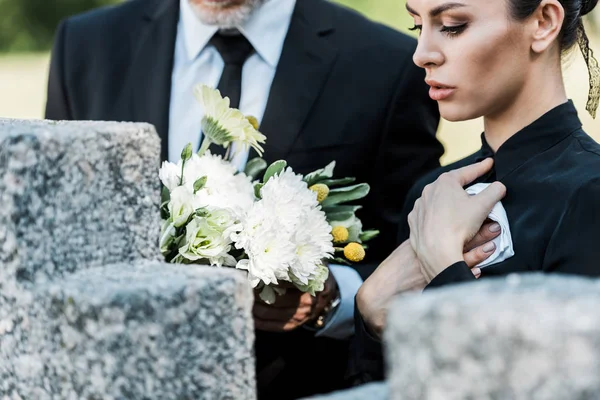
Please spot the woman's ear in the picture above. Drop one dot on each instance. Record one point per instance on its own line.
(547, 20)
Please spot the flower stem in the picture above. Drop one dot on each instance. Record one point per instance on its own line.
(205, 145)
(181, 177)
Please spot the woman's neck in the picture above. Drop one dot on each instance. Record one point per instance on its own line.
(542, 92)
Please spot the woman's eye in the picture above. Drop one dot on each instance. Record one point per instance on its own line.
(453, 30)
(416, 28)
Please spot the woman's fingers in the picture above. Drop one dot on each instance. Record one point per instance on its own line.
(468, 174)
(479, 254)
(488, 232)
(487, 199)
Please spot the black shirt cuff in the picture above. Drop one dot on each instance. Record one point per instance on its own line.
(366, 354)
(456, 273)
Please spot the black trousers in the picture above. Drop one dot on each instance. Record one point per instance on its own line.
(296, 364)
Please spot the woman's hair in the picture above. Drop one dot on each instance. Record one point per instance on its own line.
(571, 32)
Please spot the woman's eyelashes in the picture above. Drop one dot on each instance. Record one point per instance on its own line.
(454, 30)
(416, 28)
(449, 31)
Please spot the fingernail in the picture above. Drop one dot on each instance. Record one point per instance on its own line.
(476, 272)
(489, 247)
(495, 227)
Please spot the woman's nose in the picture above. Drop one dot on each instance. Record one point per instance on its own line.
(426, 55)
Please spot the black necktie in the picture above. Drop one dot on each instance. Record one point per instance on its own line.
(235, 50)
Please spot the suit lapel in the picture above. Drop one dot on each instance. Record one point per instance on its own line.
(305, 63)
(150, 73)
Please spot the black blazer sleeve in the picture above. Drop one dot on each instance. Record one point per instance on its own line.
(57, 105)
(366, 354)
(408, 150)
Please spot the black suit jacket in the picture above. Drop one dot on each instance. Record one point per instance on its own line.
(345, 89)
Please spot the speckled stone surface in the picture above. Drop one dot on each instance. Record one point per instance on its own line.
(372, 391)
(519, 337)
(149, 331)
(87, 310)
(78, 195)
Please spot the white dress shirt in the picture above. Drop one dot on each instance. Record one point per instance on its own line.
(198, 62)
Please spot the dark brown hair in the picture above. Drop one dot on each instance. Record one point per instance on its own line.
(574, 10)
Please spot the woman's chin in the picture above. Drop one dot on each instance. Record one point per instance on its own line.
(456, 113)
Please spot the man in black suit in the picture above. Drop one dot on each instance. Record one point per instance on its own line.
(324, 82)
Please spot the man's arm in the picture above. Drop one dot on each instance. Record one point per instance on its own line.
(408, 149)
(57, 104)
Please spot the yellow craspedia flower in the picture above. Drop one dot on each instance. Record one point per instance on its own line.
(322, 191)
(354, 252)
(340, 234)
(253, 121)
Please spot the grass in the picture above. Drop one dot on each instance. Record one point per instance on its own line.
(23, 84)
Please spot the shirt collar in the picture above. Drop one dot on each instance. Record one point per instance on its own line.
(532, 140)
(266, 29)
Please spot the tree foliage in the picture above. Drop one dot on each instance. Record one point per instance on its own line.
(29, 25)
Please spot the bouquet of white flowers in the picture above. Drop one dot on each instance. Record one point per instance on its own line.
(281, 228)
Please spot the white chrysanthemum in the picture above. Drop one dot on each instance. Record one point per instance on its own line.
(313, 243)
(222, 124)
(225, 187)
(285, 234)
(287, 196)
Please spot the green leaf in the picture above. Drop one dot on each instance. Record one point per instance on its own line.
(165, 198)
(200, 183)
(254, 167)
(337, 182)
(257, 188)
(320, 174)
(342, 195)
(201, 212)
(274, 169)
(337, 209)
(339, 216)
(165, 195)
(186, 153)
(365, 236)
(340, 260)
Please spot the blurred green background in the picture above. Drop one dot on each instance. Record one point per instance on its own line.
(29, 25)
(27, 34)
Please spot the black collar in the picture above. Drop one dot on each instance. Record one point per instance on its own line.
(532, 140)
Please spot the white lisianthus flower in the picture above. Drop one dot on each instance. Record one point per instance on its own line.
(170, 174)
(285, 236)
(181, 205)
(222, 124)
(209, 238)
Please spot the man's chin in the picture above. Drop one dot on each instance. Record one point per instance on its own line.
(225, 13)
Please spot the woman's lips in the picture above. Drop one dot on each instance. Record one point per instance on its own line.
(439, 91)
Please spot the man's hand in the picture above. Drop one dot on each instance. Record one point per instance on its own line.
(293, 309)
(402, 272)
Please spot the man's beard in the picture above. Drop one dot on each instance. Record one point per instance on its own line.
(225, 16)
